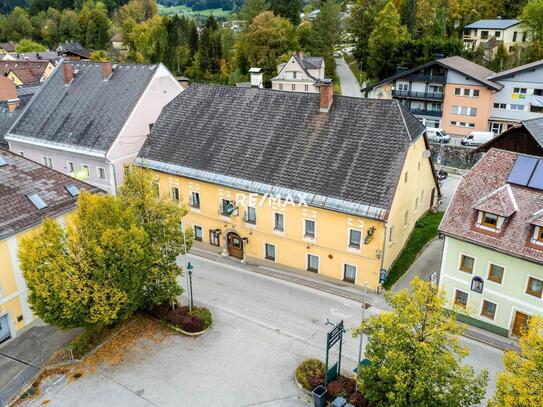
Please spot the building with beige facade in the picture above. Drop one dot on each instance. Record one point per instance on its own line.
(301, 181)
(490, 34)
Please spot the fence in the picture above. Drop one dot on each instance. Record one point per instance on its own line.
(23, 381)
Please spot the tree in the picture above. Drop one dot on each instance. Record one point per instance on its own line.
(289, 9)
(326, 30)
(266, 39)
(532, 16)
(415, 354)
(90, 274)
(99, 56)
(520, 385)
(252, 8)
(160, 218)
(500, 62)
(19, 25)
(383, 42)
(29, 46)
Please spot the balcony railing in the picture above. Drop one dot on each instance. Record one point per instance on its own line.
(427, 112)
(418, 95)
(427, 77)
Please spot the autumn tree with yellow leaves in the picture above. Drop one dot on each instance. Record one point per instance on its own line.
(521, 384)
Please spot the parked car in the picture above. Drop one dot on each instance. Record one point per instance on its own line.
(437, 135)
(441, 175)
(477, 138)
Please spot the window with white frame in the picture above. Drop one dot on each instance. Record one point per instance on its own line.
(195, 199)
(250, 215)
(198, 233)
(461, 298)
(309, 228)
(349, 273)
(312, 263)
(279, 222)
(214, 237)
(488, 309)
(101, 173)
(70, 166)
(517, 107)
(175, 195)
(86, 170)
(391, 234)
(406, 218)
(47, 161)
(355, 238)
(270, 252)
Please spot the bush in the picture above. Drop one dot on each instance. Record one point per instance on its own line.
(196, 321)
(88, 340)
(310, 373)
(341, 387)
(358, 400)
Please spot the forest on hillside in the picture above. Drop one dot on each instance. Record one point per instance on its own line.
(198, 5)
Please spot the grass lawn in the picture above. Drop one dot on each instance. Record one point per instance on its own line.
(425, 230)
(184, 10)
(353, 66)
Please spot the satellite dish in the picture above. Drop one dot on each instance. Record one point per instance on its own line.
(427, 154)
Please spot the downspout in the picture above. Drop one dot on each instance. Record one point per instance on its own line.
(383, 252)
(114, 177)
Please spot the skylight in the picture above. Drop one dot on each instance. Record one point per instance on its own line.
(2, 162)
(38, 202)
(72, 190)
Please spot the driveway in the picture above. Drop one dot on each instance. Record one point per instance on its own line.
(263, 327)
(347, 80)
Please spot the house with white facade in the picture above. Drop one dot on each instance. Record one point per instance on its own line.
(520, 99)
(492, 33)
(90, 119)
(300, 73)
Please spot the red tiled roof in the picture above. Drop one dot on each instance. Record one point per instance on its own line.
(501, 202)
(486, 177)
(27, 71)
(20, 177)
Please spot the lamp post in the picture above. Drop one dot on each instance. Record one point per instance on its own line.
(189, 268)
(362, 332)
(185, 266)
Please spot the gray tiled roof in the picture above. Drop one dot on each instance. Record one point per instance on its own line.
(90, 112)
(8, 118)
(355, 152)
(497, 24)
(312, 62)
(512, 71)
(21, 177)
(535, 127)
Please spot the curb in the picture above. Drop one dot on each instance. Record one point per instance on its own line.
(307, 392)
(180, 331)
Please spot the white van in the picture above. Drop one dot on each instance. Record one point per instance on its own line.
(477, 138)
(437, 135)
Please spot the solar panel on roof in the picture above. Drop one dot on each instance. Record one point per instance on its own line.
(522, 170)
(536, 181)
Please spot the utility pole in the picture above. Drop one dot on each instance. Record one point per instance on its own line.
(363, 318)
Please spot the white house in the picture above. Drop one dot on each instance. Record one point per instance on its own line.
(492, 33)
(300, 73)
(90, 119)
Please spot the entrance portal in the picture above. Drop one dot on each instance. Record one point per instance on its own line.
(235, 245)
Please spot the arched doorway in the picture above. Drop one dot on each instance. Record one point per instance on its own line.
(235, 245)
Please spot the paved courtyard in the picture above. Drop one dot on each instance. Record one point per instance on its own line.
(263, 327)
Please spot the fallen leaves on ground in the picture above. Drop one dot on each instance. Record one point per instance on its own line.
(114, 350)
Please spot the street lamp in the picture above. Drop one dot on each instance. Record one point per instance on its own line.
(185, 266)
(362, 332)
(189, 269)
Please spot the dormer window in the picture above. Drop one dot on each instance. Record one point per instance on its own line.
(489, 220)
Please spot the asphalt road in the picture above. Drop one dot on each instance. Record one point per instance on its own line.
(263, 327)
(347, 80)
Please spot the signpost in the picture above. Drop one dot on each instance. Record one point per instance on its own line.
(333, 337)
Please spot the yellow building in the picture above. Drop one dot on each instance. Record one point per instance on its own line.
(30, 193)
(332, 185)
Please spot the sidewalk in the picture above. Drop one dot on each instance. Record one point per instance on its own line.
(301, 277)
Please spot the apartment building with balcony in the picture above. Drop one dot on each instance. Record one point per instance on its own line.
(492, 33)
(520, 99)
(450, 93)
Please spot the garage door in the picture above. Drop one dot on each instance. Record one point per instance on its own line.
(4, 328)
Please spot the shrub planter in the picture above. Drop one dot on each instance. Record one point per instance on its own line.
(183, 321)
(301, 387)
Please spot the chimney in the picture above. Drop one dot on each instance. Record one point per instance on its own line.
(12, 104)
(301, 55)
(107, 70)
(327, 95)
(256, 78)
(68, 73)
